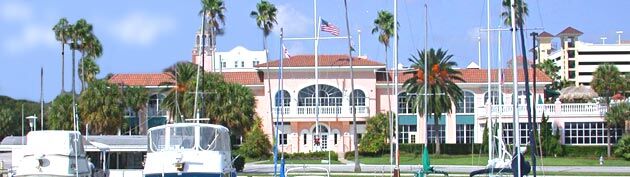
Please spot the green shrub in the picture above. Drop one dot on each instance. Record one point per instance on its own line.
(256, 144)
(319, 155)
(376, 136)
(450, 149)
(622, 149)
(584, 151)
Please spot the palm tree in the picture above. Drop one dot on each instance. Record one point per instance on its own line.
(136, 99)
(62, 35)
(616, 117)
(182, 75)
(101, 107)
(59, 113)
(384, 24)
(607, 81)
(521, 12)
(265, 16)
(91, 49)
(8, 120)
(442, 90)
(88, 71)
(232, 107)
(214, 9)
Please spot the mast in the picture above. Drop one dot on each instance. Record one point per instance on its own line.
(501, 81)
(425, 85)
(489, 101)
(515, 121)
(41, 97)
(195, 111)
(317, 25)
(395, 53)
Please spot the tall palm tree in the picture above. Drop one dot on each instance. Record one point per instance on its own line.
(214, 9)
(62, 35)
(265, 16)
(136, 99)
(91, 49)
(442, 90)
(520, 14)
(607, 81)
(88, 71)
(384, 25)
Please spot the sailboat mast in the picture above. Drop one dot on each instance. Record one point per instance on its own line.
(195, 111)
(489, 101)
(515, 121)
(395, 64)
(41, 98)
(317, 21)
(426, 73)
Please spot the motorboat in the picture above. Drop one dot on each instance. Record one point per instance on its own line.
(53, 153)
(189, 149)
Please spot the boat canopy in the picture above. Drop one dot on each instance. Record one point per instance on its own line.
(55, 142)
(189, 136)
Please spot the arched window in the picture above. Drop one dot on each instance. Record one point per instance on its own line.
(359, 99)
(328, 96)
(494, 99)
(322, 129)
(155, 106)
(280, 101)
(405, 103)
(467, 105)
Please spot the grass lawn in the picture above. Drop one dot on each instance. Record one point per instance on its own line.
(413, 159)
(290, 161)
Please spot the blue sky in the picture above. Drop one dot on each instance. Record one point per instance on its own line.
(144, 36)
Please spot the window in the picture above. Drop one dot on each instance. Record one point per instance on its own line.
(404, 136)
(154, 106)
(242, 64)
(359, 99)
(254, 63)
(236, 64)
(413, 139)
(571, 64)
(335, 138)
(283, 138)
(304, 138)
(431, 133)
(405, 103)
(283, 98)
(328, 96)
(466, 105)
(589, 133)
(494, 98)
(223, 64)
(508, 132)
(465, 133)
(571, 74)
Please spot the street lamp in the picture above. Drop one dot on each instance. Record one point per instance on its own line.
(619, 36)
(33, 122)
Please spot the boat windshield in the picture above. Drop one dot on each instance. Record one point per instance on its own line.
(188, 137)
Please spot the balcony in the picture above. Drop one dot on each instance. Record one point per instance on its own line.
(593, 109)
(323, 110)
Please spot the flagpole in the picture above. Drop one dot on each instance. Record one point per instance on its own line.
(317, 25)
(489, 89)
(395, 53)
(281, 83)
(515, 121)
(501, 81)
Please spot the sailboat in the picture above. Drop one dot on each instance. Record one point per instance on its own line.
(189, 149)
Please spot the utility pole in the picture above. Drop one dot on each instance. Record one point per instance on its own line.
(533, 127)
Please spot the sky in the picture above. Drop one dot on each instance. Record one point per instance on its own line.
(146, 36)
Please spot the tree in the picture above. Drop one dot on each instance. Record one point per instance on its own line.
(183, 76)
(520, 13)
(256, 144)
(265, 16)
(550, 142)
(101, 107)
(62, 35)
(375, 139)
(60, 113)
(622, 149)
(384, 25)
(136, 99)
(607, 81)
(442, 90)
(91, 49)
(214, 9)
(231, 106)
(616, 116)
(88, 71)
(8, 122)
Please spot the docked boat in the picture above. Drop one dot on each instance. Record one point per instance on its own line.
(53, 153)
(189, 149)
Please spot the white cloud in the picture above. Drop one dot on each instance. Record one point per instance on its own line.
(15, 11)
(29, 37)
(292, 20)
(141, 29)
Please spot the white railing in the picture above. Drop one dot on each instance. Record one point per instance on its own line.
(282, 110)
(322, 110)
(360, 109)
(555, 109)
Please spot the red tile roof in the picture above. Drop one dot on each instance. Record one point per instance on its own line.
(146, 79)
(244, 78)
(324, 60)
(570, 31)
(545, 34)
(476, 76)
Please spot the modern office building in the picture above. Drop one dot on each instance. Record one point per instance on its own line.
(578, 59)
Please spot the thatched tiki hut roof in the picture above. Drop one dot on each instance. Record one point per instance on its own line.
(577, 94)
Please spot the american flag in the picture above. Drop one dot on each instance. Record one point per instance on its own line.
(285, 52)
(329, 27)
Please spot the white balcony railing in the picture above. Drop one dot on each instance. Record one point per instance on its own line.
(282, 110)
(360, 109)
(553, 109)
(322, 110)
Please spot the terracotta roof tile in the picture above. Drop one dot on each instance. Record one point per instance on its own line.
(244, 78)
(570, 31)
(145, 79)
(545, 34)
(476, 76)
(324, 60)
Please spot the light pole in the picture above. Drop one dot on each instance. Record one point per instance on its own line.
(33, 122)
(619, 36)
(603, 38)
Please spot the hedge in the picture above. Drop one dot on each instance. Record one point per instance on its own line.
(584, 151)
(319, 155)
(451, 149)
